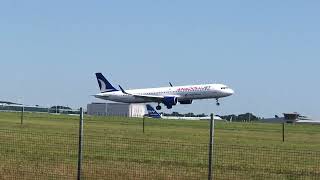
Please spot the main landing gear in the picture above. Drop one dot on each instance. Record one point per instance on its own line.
(218, 104)
(158, 107)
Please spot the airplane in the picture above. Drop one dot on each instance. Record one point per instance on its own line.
(154, 114)
(169, 96)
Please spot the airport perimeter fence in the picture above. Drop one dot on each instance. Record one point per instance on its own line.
(47, 147)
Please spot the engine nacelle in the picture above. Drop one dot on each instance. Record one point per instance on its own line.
(186, 102)
(170, 101)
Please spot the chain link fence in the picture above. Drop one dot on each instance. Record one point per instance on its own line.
(46, 147)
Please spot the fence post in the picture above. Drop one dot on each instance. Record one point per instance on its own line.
(80, 144)
(283, 131)
(211, 143)
(143, 124)
(22, 114)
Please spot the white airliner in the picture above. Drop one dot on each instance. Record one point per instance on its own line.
(169, 96)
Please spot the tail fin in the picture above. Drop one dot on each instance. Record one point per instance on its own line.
(104, 84)
(152, 113)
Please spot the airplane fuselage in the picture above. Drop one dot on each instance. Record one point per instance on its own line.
(183, 93)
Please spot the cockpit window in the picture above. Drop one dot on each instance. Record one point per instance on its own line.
(224, 88)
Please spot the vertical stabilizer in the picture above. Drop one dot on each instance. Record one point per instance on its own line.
(152, 113)
(104, 84)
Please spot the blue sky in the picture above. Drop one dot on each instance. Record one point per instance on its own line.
(267, 51)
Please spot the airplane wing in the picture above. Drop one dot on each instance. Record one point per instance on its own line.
(148, 97)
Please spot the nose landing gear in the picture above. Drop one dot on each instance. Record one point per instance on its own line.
(218, 103)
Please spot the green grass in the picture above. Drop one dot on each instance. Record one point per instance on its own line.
(45, 147)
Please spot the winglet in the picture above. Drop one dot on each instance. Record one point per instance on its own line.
(170, 84)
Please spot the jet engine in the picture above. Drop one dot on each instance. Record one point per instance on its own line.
(170, 101)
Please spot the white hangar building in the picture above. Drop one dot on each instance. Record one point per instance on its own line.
(116, 109)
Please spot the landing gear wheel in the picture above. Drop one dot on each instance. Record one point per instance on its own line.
(218, 104)
(158, 107)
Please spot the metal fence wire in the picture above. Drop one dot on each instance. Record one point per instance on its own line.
(46, 146)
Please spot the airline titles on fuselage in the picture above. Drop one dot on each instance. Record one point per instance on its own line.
(194, 88)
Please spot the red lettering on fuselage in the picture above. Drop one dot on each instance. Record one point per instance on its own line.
(194, 88)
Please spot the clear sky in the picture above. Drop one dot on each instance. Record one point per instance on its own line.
(267, 51)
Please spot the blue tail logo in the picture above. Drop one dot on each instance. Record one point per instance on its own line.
(104, 84)
(152, 113)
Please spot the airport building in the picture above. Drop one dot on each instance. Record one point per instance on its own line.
(116, 109)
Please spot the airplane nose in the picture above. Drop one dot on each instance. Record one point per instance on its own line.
(230, 92)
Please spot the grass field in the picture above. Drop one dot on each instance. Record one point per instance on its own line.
(45, 147)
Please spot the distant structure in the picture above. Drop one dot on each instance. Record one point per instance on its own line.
(15, 107)
(116, 109)
(291, 118)
(8, 103)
